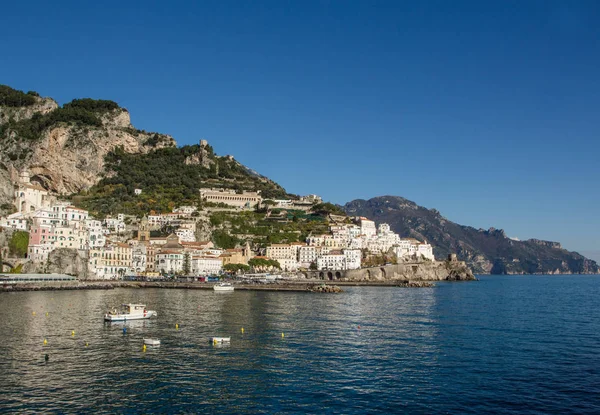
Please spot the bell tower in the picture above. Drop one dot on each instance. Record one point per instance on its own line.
(144, 230)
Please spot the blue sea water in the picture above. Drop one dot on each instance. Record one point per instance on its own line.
(510, 344)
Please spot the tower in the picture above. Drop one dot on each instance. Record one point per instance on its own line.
(144, 230)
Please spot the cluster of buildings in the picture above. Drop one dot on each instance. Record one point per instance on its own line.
(54, 224)
(344, 247)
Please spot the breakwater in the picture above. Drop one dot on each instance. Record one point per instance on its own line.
(297, 286)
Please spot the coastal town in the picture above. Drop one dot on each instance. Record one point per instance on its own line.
(122, 246)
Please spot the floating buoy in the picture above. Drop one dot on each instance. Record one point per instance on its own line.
(282, 335)
(124, 330)
(359, 327)
(33, 313)
(176, 326)
(46, 314)
(242, 330)
(144, 348)
(45, 342)
(46, 357)
(72, 332)
(86, 344)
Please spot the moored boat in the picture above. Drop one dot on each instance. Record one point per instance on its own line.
(129, 312)
(224, 286)
(152, 342)
(220, 339)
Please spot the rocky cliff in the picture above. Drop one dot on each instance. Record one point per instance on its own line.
(485, 251)
(62, 261)
(423, 271)
(64, 147)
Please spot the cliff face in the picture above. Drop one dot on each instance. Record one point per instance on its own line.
(64, 147)
(62, 261)
(485, 251)
(424, 271)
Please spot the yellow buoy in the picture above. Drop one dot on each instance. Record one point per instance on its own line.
(144, 348)
(176, 326)
(86, 344)
(45, 342)
(282, 335)
(33, 313)
(72, 332)
(242, 330)
(46, 314)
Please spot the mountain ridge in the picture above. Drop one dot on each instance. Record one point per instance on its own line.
(486, 251)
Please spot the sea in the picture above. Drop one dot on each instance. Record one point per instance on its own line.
(500, 345)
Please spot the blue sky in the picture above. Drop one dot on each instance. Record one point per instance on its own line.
(486, 111)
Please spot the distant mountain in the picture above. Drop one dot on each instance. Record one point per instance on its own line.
(486, 251)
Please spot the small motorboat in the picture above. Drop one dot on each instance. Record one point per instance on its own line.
(224, 286)
(152, 342)
(215, 340)
(129, 312)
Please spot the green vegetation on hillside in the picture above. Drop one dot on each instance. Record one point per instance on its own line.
(18, 244)
(10, 97)
(261, 230)
(166, 181)
(82, 112)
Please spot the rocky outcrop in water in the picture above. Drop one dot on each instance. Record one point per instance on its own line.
(423, 271)
(323, 288)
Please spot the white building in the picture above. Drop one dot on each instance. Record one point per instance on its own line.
(185, 235)
(14, 221)
(114, 224)
(307, 255)
(170, 262)
(335, 260)
(353, 258)
(231, 197)
(186, 210)
(96, 235)
(367, 227)
(39, 253)
(206, 265)
(281, 251)
(29, 197)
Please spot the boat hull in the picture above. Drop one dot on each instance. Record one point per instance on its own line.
(127, 317)
(223, 288)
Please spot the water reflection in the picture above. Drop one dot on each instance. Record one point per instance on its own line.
(367, 350)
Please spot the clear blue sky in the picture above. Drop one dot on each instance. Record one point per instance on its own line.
(487, 111)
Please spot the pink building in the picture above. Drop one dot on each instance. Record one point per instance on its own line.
(41, 234)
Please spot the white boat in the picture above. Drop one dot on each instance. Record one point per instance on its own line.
(129, 312)
(224, 286)
(220, 339)
(152, 342)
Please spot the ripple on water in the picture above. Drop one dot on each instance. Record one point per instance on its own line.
(503, 345)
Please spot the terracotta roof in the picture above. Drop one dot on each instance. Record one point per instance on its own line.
(122, 245)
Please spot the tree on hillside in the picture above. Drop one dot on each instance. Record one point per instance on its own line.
(327, 209)
(18, 244)
(186, 264)
(234, 268)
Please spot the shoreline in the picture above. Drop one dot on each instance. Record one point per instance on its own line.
(299, 286)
